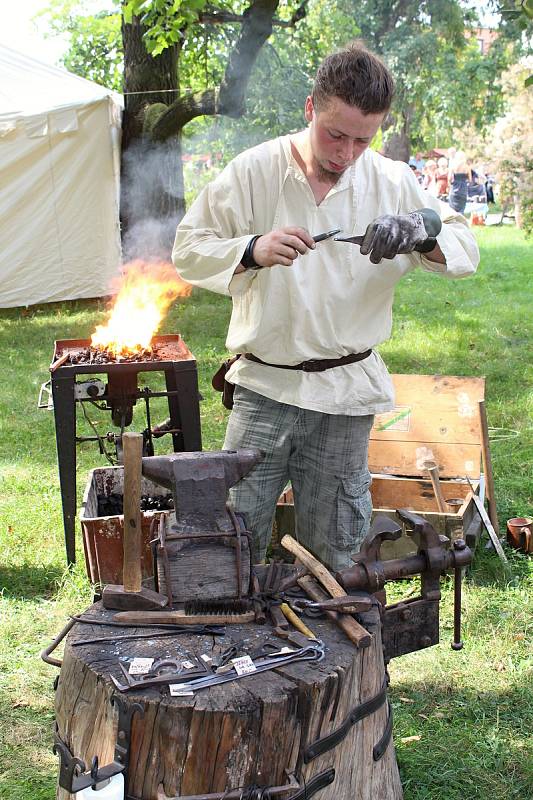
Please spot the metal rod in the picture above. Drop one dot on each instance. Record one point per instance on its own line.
(487, 467)
(45, 654)
(457, 643)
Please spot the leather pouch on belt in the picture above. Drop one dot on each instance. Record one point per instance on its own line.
(220, 384)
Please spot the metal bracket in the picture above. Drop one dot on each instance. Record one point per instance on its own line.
(410, 625)
(304, 789)
(73, 773)
(357, 713)
(46, 391)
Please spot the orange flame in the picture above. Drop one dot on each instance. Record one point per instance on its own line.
(145, 292)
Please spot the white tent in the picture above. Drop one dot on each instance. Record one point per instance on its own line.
(59, 178)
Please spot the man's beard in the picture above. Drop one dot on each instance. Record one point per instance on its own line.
(326, 176)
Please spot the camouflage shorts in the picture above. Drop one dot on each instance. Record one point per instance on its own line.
(325, 458)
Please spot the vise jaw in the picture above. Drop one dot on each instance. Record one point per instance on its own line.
(411, 624)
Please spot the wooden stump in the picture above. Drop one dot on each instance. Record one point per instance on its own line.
(254, 731)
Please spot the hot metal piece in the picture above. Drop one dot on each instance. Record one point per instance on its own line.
(351, 239)
(323, 236)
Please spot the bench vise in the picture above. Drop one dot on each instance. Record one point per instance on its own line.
(410, 624)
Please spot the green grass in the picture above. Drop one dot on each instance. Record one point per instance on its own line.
(472, 710)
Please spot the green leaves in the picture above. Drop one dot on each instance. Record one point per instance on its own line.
(165, 21)
(95, 42)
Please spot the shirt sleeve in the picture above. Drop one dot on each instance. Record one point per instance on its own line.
(212, 236)
(456, 240)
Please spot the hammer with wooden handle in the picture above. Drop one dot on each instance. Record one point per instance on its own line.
(361, 637)
(131, 594)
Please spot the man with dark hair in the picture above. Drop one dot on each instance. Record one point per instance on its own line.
(307, 314)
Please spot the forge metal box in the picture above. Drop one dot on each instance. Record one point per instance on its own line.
(436, 418)
(103, 535)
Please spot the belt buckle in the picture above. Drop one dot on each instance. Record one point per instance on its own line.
(313, 366)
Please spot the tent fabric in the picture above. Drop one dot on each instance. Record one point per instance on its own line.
(59, 181)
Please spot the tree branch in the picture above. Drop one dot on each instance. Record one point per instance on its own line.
(229, 98)
(185, 108)
(216, 16)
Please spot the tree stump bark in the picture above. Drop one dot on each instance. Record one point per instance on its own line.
(252, 731)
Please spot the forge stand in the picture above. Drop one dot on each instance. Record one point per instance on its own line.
(121, 393)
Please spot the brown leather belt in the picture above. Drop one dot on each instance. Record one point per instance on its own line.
(316, 365)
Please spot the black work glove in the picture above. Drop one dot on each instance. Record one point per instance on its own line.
(390, 235)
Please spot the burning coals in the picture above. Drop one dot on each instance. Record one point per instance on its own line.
(97, 355)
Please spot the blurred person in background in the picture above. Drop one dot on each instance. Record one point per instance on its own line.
(430, 176)
(441, 178)
(459, 175)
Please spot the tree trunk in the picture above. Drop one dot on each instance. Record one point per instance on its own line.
(152, 190)
(396, 143)
(254, 731)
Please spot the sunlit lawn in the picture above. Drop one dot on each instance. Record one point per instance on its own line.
(472, 711)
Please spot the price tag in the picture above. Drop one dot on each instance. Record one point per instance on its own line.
(177, 690)
(140, 666)
(243, 665)
(187, 664)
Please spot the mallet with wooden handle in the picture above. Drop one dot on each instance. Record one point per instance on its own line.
(361, 637)
(131, 594)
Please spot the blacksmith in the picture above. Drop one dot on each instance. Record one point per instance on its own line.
(249, 235)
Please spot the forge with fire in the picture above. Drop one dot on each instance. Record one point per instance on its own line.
(302, 653)
(103, 372)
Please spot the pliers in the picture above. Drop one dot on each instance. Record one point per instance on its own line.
(348, 604)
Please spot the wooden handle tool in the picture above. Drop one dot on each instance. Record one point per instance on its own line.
(131, 594)
(133, 448)
(433, 470)
(295, 620)
(361, 637)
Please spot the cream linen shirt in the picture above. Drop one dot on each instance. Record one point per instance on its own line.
(332, 301)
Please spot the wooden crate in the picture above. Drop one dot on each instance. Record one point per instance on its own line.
(436, 418)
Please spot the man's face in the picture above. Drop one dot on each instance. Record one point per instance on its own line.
(338, 134)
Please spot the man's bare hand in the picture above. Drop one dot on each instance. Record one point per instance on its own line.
(282, 246)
